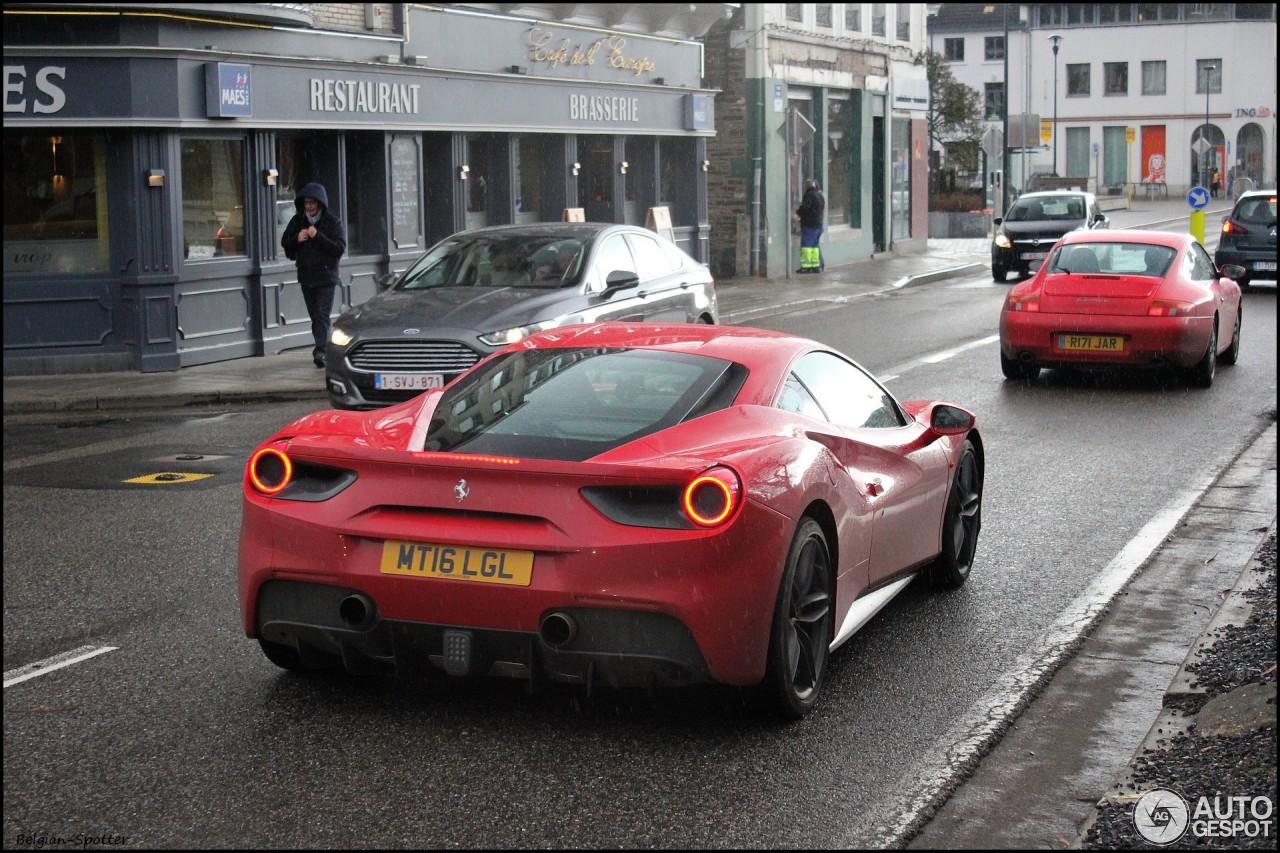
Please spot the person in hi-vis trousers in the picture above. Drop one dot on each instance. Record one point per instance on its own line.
(812, 213)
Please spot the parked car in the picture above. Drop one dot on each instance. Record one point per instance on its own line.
(1036, 221)
(1108, 299)
(1249, 236)
(479, 290)
(610, 504)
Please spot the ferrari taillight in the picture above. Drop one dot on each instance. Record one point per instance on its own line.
(1169, 308)
(711, 499)
(270, 471)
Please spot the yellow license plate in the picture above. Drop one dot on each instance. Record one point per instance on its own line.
(457, 562)
(1091, 343)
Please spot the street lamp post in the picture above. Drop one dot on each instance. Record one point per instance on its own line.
(1056, 41)
(1205, 159)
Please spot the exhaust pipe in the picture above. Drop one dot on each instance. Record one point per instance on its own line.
(356, 611)
(559, 629)
(1026, 357)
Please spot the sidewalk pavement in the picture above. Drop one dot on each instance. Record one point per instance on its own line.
(290, 375)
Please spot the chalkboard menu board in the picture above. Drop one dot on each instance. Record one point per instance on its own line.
(406, 186)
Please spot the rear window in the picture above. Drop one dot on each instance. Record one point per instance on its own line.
(573, 404)
(1256, 211)
(1113, 259)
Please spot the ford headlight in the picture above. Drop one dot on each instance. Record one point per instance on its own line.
(339, 338)
(510, 336)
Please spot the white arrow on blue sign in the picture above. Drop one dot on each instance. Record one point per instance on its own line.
(1198, 198)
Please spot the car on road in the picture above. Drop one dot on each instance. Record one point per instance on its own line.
(479, 290)
(1248, 236)
(1036, 221)
(610, 504)
(1142, 299)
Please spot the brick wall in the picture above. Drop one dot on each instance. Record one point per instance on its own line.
(350, 17)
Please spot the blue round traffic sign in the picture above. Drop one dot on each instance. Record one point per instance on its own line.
(1198, 198)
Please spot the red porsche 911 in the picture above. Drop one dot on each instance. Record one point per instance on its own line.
(610, 504)
(1124, 299)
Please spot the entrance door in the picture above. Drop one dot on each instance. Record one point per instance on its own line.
(595, 181)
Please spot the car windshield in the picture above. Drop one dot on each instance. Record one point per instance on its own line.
(1041, 209)
(573, 404)
(1113, 259)
(524, 260)
(1256, 211)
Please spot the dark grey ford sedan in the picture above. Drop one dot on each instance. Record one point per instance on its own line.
(479, 290)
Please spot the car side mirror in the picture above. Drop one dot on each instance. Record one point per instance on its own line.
(1099, 218)
(997, 220)
(385, 280)
(946, 419)
(1232, 271)
(619, 280)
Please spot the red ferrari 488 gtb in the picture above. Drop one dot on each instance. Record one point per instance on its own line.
(612, 504)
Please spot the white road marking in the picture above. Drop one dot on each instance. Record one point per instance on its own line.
(933, 358)
(41, 667)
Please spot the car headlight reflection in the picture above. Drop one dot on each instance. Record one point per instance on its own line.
(510, 336)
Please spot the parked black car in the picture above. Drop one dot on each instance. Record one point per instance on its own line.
(1035, 222)
(1249, 236)
(477, 291)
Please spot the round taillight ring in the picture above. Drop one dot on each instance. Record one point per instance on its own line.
(710, 500)
(270, 470)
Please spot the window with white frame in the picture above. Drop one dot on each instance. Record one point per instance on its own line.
(902, 18)
(1078, 79)
(877, 19)
(993, 100)
(795, 12)
(822, 15)
(853, 17)
(1209, 73)
(993, 48)
(953, 49)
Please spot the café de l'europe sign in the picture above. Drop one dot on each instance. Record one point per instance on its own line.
(546, 48)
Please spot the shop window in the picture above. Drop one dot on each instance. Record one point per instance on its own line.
(212, 198)
(55, 202)
(839, 159)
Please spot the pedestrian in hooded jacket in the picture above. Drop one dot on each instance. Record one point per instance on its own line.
(315, 240)
(812, 212)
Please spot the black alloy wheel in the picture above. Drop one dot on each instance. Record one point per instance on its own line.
(960, 523)
(801, 636)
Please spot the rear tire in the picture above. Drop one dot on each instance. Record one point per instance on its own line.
(800, 638)
(1018, 370)
(1232, 353)
(960, 523)
(1202, 374)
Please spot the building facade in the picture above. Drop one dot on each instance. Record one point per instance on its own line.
(824, 90)
(153, 153)
(1138, 97)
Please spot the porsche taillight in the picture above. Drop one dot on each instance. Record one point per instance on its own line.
(270, 470)
(1027, 302)
(712, 497)
(1169, 308)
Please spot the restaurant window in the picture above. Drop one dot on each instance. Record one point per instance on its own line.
(953, 49)
(480, 153)
(55, 202)
(877, 19)
(993, 48)
(839, 157)
(213, 223)
(531, 158)
(1116, 75)
(365, 220)
(822, 15)
(1153, 77)
(853, 17)
(676, 154)
(1078, 82)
